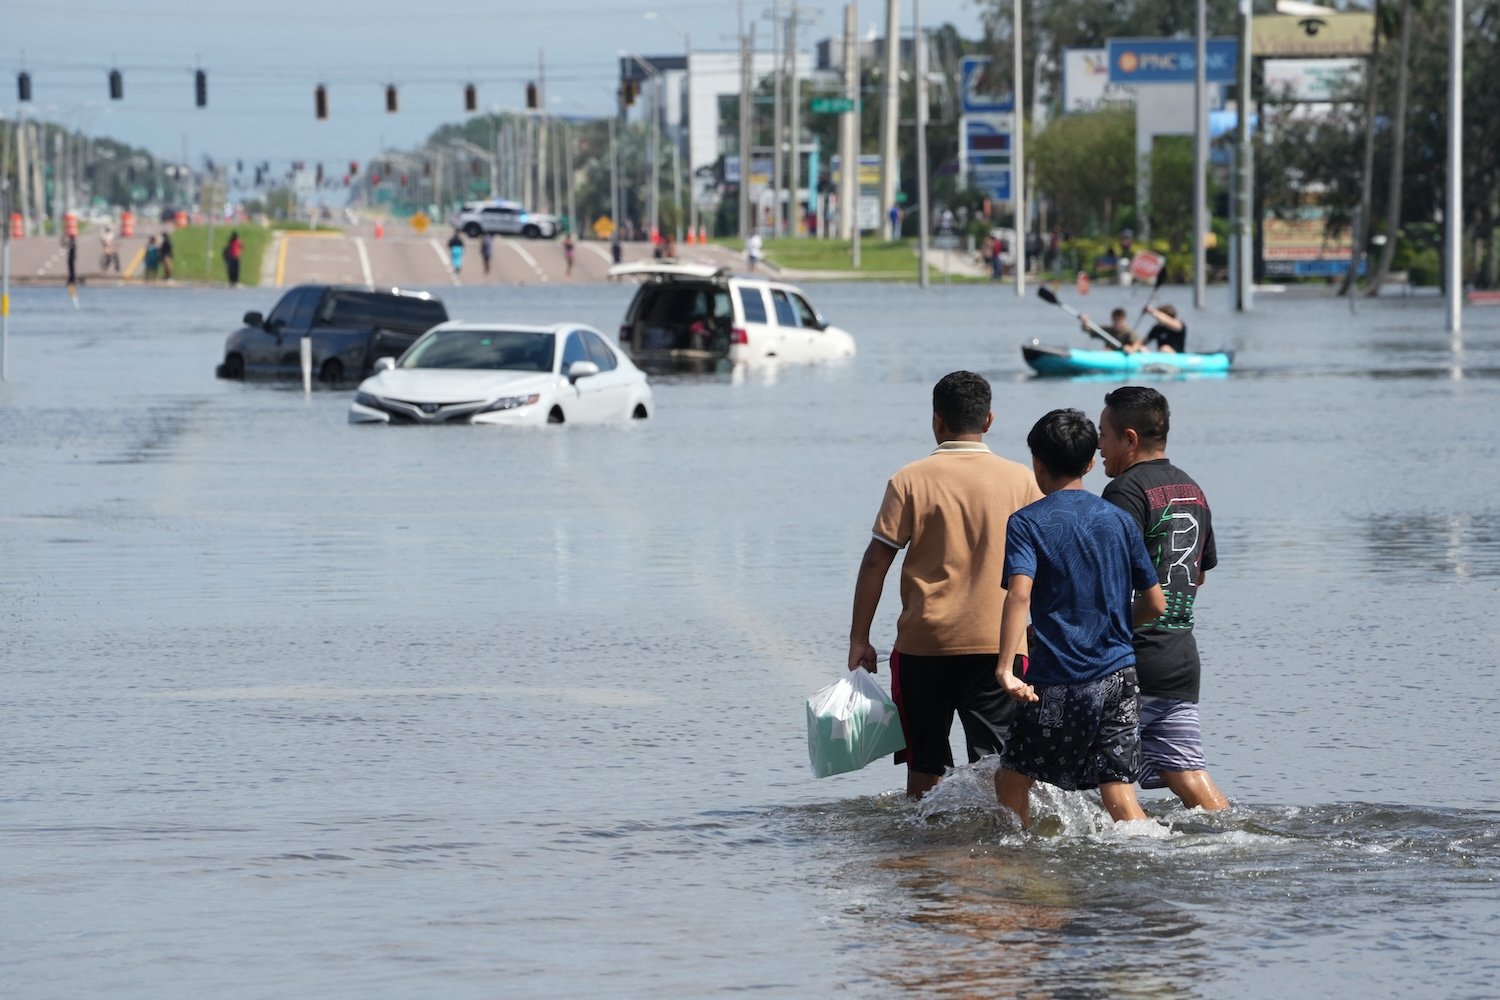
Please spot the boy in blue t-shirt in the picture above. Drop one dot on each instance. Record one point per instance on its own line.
(1071, 562)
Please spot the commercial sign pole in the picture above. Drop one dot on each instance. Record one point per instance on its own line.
(1200, 161)
(1453, 212)
(889, 110)
(919, 40)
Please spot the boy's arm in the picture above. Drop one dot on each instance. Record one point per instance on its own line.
(1013, 621)
(867, 587)
(1148, 606)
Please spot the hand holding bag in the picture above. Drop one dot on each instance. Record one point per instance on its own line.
(851, 723)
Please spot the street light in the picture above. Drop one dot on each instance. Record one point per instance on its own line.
(687, 50)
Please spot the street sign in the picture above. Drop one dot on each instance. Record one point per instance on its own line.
(992, 180)
(831, 105)
(971, 69)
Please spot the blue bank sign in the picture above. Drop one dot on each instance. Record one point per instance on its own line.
(1170, 60)
(970, 70)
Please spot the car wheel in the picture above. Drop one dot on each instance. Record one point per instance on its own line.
(556, 416)
(472, 230)
(234, 367)
(640, 412)
(531, 232)
(331, 373)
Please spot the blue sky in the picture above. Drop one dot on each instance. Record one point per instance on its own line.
(264, 58)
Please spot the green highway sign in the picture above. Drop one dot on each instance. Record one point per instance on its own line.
(831, 105)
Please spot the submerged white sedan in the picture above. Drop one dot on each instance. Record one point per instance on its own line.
(483, 373)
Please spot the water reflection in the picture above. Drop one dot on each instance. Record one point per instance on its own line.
(1456, 544)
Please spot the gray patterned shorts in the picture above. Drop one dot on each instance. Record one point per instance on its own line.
(1079, 735)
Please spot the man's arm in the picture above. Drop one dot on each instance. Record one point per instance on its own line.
(867, 587)
(1149, 605)
(1013, 619)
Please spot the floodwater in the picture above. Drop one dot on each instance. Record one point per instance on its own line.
(295, 708)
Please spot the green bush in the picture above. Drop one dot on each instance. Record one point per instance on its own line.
(1424, 267)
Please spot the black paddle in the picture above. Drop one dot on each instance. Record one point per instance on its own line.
(1161, 279)
(1093, 328)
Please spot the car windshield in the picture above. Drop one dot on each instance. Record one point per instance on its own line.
(515, 350)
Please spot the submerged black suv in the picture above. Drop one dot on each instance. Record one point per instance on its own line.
(350, 328)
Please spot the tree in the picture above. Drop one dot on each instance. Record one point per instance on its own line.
(1398, 151)
(1086, 164)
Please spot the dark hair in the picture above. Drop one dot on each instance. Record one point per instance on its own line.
(1141, 409)
(1170, 310)
(1117, 312)
(962, 399)
(1064, 441)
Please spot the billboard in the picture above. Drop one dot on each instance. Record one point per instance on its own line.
(988, 136)
(1311, 37)
(1085, 81)
(1301, 247)
(1313, 80)
(1170, 60)
(993, 180)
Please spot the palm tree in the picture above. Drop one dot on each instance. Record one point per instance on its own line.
(1398, 151)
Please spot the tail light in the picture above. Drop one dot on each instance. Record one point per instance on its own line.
(738, 336)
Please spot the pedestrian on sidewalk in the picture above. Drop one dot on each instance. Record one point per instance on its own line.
(166, 256)
(109, 249)
(753, 249)
(569, 250)
(486, 250)
(72, 244)
(232, 253)
(153, 258)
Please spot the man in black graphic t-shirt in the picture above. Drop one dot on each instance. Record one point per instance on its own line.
(1173, 515)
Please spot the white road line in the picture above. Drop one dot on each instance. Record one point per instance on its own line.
(601, 254)
(442, 254)
(526, 256)
(364, 260)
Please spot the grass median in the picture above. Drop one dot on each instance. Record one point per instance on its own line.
(194, 260)
(885, 258)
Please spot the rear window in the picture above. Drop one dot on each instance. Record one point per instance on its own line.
(752, 304)
(671, 303)
(396, 312)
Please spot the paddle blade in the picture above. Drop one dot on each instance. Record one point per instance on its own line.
(1046, 295)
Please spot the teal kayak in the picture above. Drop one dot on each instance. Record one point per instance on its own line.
(1049, 360)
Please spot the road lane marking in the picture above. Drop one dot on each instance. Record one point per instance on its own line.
(602, 255)
(526, 256)
(135, 262)
(364, 260)
(444, 256)
(281, 262)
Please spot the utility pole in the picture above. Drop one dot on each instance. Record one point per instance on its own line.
(1018, 153)
(541, 140)
(849, 139)
(795, 207)
(1453, 217)
(746, 44)
(778, 55)
(889, 165)
(1244, 228)
(919, 42)
(568, 161)
(5, 208)
(1200, 162)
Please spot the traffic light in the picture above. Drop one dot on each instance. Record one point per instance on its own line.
(390, 99)
(471, 98)
(116, 86)
(353, 168)
(200, 89)
(23, 86)
(531, 96)
(628, 91)
(320, 102)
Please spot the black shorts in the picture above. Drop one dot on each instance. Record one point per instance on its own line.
(929, 689)
(1079, 735)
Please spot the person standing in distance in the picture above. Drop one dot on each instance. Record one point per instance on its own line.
(948, 511)
(1173, 515)
(753, 250)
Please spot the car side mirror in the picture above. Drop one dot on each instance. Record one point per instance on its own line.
(254, 319)
(385, 364)
(581, 369)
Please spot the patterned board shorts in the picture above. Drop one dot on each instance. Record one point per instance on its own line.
(1171, 739)
(1079, 735)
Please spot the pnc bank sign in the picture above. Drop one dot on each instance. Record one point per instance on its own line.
(1170, 60)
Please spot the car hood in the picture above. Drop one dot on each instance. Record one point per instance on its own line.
(453, 385)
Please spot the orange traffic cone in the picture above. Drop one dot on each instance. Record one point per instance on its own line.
(379, 229)
(688, 237)
(702, 234)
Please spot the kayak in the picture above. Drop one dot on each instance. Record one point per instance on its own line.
(1049, 360)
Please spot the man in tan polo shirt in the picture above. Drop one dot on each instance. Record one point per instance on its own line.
(948, 511)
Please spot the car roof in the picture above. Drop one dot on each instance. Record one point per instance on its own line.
(559, 328)
(371, 289)
(652, 269)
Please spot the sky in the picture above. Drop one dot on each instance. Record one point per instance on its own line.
(264, 59)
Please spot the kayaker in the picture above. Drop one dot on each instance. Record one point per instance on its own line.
(1118, 328)
(1169, 333)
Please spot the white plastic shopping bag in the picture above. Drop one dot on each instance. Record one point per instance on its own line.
(851, 723)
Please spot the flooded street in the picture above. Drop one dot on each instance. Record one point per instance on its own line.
(296, 708)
